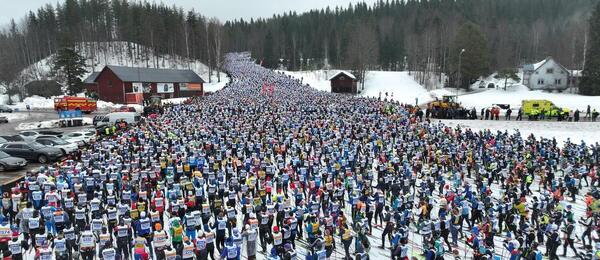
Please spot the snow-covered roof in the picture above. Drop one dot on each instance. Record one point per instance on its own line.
(575, 73)
(91, 78)
(348, 74)
(536, 66)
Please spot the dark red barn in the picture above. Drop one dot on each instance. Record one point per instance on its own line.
(127, 85)
(343, 82)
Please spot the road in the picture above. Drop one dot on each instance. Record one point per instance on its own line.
(17, 118)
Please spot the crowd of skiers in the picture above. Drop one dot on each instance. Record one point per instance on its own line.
(289, 172)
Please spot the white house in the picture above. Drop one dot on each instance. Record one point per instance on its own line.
(546, 75)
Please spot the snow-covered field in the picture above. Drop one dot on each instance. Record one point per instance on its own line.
(399, 85)
(562, 131)
(515, 95)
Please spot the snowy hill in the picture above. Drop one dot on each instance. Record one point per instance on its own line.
(398, 84)
(99, 54)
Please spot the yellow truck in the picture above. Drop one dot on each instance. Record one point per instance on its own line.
(536, 109)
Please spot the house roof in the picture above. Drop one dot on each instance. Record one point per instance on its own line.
(536, 66)
(348, 74)
(131, 74)
(91, 78)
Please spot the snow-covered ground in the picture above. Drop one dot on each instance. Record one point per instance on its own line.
(562, 131)
(402, 87)
(47, 124)
(399, 85)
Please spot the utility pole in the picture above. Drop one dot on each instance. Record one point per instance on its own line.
(459, 67)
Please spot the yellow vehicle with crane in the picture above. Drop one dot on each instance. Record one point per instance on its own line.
(447, 108)
(540, 108)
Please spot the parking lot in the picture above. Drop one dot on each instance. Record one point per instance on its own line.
(8, 177)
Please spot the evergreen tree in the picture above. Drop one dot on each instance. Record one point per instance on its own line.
(474, 60)
(69, 67)
(590, 79)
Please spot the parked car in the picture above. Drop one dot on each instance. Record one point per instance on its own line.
(125, 109)
(112, 118)
(78, 137)
(32, 151)
(29, 136)
(97, 119)
(3, 119)
(66, 147)
(50, 132)
(5, 109)
(13, 138)
(8, 162)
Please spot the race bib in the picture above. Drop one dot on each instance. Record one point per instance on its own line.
(15, 248)
(37, 196)
(34, 223)
(87, 241)
(231, 253)
(60, 245)
(210, 238)
(96, 226)
(59, 218)
(145, 225)
(122, 232)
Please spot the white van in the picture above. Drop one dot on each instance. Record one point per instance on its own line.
(112, 118)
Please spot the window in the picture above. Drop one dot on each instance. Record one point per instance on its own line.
(557, 81)
(110, 83)
(537, 72)
(540, 81)
(550, 71)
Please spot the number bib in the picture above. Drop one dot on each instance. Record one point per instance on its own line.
(15, 248)
(36, 196)
(222, 225)
(34, 223)
(87, 241)
(60, 245)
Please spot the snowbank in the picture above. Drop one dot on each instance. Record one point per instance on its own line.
(47, 124)
(212, 87)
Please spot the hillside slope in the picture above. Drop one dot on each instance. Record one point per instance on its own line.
(99, 54)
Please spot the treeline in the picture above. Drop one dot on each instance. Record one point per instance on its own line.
(163, 30)
(417, 35)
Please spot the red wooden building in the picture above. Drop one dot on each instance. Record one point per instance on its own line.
(343, 82)
(128, 85)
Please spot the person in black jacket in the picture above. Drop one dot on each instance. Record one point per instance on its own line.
(587, 222)
(553, 243)
(569, 238)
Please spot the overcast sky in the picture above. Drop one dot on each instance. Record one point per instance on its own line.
(223, 9)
